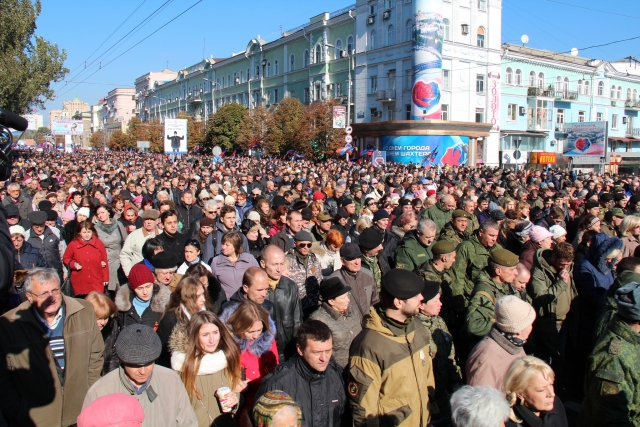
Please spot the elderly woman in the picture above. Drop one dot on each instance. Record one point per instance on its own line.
(276, 408)
(629, 232)
(539, 238)
(490, 359)
(478, 407)
(192, 254)
(86, 259)
(230, 265)
(256, 236)
(165, 266)
(26, 257)
(106, 310)
(530, 393)
(339, 315)
(328, 252)
(112, 234)
(142, 300)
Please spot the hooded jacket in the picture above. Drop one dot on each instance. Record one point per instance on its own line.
(551, 295)
(127, 314)
(390, 373)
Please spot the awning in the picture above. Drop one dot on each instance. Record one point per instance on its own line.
(620, 139)
(523, 133)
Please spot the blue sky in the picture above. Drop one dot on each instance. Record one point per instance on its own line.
(221, 28)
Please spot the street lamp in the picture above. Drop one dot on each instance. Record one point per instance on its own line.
(348, 55)
(213, 99)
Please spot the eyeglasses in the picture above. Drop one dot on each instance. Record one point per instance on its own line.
(211, 212)
(304, 245)
(204, 199)
(53, 292)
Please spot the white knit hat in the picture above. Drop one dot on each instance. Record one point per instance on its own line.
(557, 231)
(513, 315)
(17, 229)
(84, 211)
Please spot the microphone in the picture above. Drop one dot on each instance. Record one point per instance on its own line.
(13, 121)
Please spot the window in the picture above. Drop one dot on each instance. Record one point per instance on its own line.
(268, 72)
(408, 31)
(407, 109)
(598, 117)
(612, 94)
(619, 92)
(635, 95)
(482, 4)
(614, 121)
(560, 116)
(374, 113)
(391, 112)
(480, 84)
(373, 9)
(518, 79)
(579, 87)
(241, 76)
(559, 84)
(601, 89)
(235, 79)
(306, 59)
(292, 62)
(338, 49)
(446, 79)
(480, 41)
(372, 40)
(408, 80)
(479, 115)
(582, 116)
(318, 51)
(508, 76)
(275, 67)
(339, 89)
(541, 80)
(629, 94)
(444, 112)
(257, 71)
(532, 79)
(350, 45)
(587, 88)
(565, 87)
(512, 112)
(275, 95)
(391, 36)
(306, 94)
(447, 29)
(373, 84)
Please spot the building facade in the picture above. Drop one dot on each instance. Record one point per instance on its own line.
(118, 107)
(35, 121)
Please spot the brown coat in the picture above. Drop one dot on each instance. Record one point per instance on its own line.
(31, 393)
(490, 360)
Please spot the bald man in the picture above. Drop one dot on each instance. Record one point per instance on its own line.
(283, 293)
(520, 282)
(441, 212)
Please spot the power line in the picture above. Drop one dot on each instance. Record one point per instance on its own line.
(594, 10)
(135, 45)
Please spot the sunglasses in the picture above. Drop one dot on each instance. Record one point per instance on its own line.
(305, 245)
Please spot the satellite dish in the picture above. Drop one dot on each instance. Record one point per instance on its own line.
(524, 39)
(574, 51)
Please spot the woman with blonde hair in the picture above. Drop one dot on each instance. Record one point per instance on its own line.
(207, 358)
(530, 393)
(629, 232)
(508, 204)
(522, 211)
(105, 310)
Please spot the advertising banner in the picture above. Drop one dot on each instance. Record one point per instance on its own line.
(428, 33)
(509, 157)
(585, 139)
(493, 100)
(378, 158)
(427, 150)
(175, 131)
(542, 158)
(339, 117)
(67, 127)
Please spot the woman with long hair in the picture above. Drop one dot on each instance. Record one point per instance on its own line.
(522, 211)
(112, 234)
(230, 265)
(86, 258)
(189, 297)
(105, 310)
(117, 206)
(207, 358)
(264, 210)
(278, 220)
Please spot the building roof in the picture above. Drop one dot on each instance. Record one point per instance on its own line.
(550, 55)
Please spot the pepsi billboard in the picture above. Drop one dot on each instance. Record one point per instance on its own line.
(427, 150)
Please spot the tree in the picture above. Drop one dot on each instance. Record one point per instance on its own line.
(28, 62)
(325, 139)
(285, 128)
(224, 126)
(121, 141)
(152, 131)
(195, 130)
(253, 127)
(97, 139)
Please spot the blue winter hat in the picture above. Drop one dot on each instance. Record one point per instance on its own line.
(628, 299)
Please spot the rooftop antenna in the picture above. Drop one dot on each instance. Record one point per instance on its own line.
(524, 39)
(281, 33)
(574, 51)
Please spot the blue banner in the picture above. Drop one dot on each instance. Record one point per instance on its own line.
(427, 150)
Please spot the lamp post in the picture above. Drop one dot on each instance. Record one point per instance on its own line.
(213, 99)
(348, 54)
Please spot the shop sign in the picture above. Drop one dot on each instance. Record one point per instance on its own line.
(542, 158)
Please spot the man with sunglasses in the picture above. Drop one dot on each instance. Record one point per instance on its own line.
(305, 270)
(43, 382)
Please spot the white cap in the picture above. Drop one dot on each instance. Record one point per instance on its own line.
(557, 231)
(17, 229)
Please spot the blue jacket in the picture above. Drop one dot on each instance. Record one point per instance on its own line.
(29, 257)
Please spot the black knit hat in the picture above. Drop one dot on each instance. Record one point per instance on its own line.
(380, 214)
(332, 288)
(370, 238)
(401, 283)
(138, 345)
(164, 259)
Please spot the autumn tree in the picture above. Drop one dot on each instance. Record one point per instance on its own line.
(152, 131)
(224, 126)
(195, 130)
(325, 140)
(28, 62)
(285, 129)
(121, 141)
(253, 127)
(97, 139)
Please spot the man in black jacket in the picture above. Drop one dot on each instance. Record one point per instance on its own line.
(312, 377)
(255, 286)
(172, 240)
(187, 211)
(283, 293)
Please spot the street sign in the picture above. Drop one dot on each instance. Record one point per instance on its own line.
(348, 130)
(348, 139)
(517, 142)
(517, 154)
(216, 150)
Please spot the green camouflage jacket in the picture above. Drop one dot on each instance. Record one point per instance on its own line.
(551, 295)
(429, 272)
(471, 259)
(607, 228)
(472, 225)
(482, 307)
(443, 354)
(451, 234)
(371, 264)
(438, 214)
(410, 253)
(612, 395)
(610, 307)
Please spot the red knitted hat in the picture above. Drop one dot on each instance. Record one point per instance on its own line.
(140, 275)
(318, 195)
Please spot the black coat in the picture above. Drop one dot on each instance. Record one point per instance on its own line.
(281, 240)
(287, 313)
(174, 244)
(186, 215)
(165, 328)
(109, 336)
(554, 418)
(321, 396)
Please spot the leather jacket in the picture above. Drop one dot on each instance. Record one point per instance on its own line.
(287, 315)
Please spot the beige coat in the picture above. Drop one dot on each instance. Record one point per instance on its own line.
(31, 392)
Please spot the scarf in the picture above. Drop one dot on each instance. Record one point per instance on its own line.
(140, 305)
(513, 339)
(106, 228)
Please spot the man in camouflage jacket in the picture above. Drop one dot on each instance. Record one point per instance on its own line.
(370, 241)
(414, 249)
(455, 231)
(437, 270)
(440, 213)
(305, 270)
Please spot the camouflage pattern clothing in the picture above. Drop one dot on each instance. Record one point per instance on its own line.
(452, 235)
(472, 257)
(372, 265)
(306, 272)
(472, 225)
(410, 253)
(607, 228)
(446, 371)
(612, 395)
(482, 307)
(429, 272)
(438, 214)
(610, 306)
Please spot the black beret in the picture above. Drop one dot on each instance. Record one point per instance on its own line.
(370, 238)
(307, 214)
(430, 290)
(592, 204)
(38, 217)
(44, 205)
(618, 196)
(606, 197)
(12, 210)
(380, 214)
(165, 259)
(332, 288)
(350, 251)
(345, 201)
(51, 215)
(300, 204)
(401, 283)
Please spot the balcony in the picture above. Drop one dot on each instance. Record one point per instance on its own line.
(631, 105)
(540, 93)
(386, 95)
(632, 132)
(566, 95)
(193, 99)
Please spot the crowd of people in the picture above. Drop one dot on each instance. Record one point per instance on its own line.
(162, 291)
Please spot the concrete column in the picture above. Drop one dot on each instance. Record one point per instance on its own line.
(472, 152)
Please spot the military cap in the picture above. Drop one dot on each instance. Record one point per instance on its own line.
(356, 188)
(618, 212)
(164, 259)
(380, 214)
(606, 197)
(592, 204)
(430, 290)
(443, 247)
(323, 217)
(303, 236)
(617, 188)
(402, 284)
(370, 238)
(38, 217)
(628, 299)
(459, 213)
(504, 257)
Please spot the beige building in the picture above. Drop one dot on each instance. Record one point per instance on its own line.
(118, 107)
(70, 109)
(146, 82)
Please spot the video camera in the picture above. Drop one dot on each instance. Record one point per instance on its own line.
(13, 121)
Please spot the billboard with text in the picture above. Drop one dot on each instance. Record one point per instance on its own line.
(585, 139)
(427, 150)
